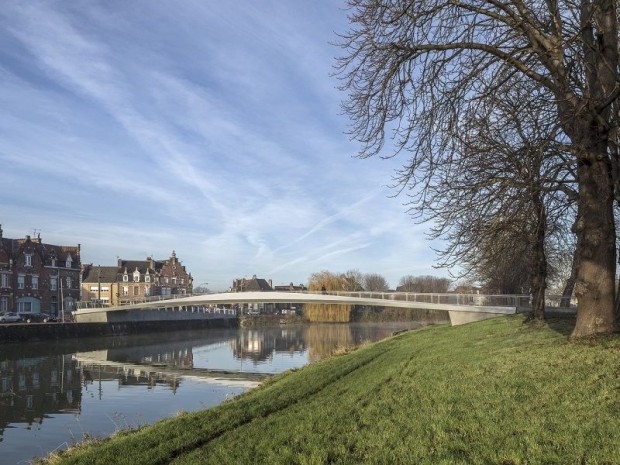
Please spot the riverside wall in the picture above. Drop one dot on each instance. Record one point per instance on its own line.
(31, 332)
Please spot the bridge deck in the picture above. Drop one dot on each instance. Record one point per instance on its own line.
(459, 314)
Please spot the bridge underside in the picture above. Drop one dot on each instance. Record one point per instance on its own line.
(189, 307)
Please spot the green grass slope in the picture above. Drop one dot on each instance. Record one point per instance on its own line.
(494, 392)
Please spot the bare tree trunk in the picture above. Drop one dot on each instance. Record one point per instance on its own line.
(539, 275)
(569, 287)
(596, 248)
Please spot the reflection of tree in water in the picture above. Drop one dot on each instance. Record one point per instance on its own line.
(325, 340)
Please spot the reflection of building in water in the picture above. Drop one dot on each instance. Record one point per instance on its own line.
(135, 366)
(259, 345)
(96, 373)
(177, 355)
(32, 388)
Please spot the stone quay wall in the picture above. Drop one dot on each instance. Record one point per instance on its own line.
(30, 332)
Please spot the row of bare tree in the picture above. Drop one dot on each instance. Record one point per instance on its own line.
(355, 281)
(508, 112)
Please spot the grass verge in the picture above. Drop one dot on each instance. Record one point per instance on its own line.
(494, 392)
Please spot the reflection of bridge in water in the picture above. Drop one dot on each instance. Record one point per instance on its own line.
(462, 308)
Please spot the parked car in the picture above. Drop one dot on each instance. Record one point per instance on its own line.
(37, 317)
(10, 317)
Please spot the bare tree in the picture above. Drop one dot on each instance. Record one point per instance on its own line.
(513, 192)
(427, 283)
(414, 68)
(375, 282)
(352, 280)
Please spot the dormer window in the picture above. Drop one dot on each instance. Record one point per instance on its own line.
(147, 278)
(28, 260)
(53, 261)
(125, 278)
(69, 261)
(136, 276)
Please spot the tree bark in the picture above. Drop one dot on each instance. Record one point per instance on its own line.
(596, 250)
(539, 275)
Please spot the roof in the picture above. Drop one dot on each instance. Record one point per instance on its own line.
(108, 274)
(256, 284)
(141, 265)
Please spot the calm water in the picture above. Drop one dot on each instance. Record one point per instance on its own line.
(54, 394)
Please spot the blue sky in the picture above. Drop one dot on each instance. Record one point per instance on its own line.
(212, 128)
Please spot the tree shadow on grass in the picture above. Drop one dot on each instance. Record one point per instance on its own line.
(559, 322)
(563, 324)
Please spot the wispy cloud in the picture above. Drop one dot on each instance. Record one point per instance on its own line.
(211, 129)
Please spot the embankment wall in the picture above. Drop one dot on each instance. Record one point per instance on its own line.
(25, 332)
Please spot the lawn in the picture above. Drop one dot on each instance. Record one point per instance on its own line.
(497, 392)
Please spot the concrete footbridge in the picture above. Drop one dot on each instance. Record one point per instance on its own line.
(199, 306)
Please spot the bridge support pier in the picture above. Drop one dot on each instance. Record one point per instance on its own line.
(461, 318)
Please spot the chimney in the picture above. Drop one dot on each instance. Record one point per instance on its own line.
(120, 262)
(271, 284)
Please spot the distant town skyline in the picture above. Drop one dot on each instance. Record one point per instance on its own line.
(211, 129)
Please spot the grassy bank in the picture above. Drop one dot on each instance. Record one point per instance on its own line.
(497, 391)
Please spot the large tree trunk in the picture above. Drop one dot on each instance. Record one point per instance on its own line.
(539, 272)
(596, 249)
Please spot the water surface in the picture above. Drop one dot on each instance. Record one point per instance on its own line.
(54, 394)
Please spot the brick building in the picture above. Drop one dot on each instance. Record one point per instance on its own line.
(135, 280)
(37, 277)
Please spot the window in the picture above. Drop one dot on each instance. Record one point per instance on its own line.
(35, 281)
(166, 280)
(53, 262)
(125, 290)
(4, 280)
(147, 278)
(125, 278)
(136, 290)
(24, 307)
(147, 290)
(136, 277)
(69, 260)
(174, 280)
(68, 282)
(21, 281)
(94, 288)
(53, 283)
(28, 259)
(4, 304)
(182, 281)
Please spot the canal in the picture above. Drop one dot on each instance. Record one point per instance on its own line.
(54, 394)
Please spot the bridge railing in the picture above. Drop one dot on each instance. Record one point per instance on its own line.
(496, 300)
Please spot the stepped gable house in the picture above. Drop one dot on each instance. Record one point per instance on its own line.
(135, 280)
(37, 277)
